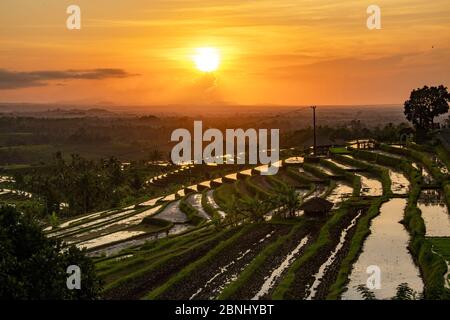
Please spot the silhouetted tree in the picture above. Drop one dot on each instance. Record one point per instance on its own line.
(365, 292)
(425, 104)
(33, 266)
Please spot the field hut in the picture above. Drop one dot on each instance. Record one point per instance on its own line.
(316, 207)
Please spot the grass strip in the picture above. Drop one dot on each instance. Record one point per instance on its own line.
(196, 264)
(262, 257)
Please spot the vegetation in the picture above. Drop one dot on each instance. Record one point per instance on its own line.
(34, 267)
(425, 104)
(67, 186)
(404, 292)
(265, 254)
(191, 212)
(186, 271)
(282, 290)
(356, 244)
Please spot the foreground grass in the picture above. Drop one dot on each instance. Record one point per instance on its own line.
(143, 265)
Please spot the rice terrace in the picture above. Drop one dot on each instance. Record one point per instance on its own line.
(248, 236)
(245, 157)
(320, 228)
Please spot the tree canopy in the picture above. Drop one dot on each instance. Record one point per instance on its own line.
(33, 266)
(425, 104)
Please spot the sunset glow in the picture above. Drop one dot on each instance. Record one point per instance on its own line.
(207, 59)
(266, 52)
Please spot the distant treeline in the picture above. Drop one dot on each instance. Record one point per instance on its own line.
(33, 141)
(328, 135)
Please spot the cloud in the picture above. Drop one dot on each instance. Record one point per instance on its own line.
(18, 80)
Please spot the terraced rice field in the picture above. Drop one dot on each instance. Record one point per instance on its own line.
(192, 249)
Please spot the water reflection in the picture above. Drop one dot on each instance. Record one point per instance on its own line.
(370, 186)
(434, 213)
(195, 200)
(172, 213)
(387, 248)
(339, 194)
(116, 248)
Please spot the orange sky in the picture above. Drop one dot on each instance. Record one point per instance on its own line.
(273, 52)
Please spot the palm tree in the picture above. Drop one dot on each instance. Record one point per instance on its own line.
(253, 209)
(288, 201)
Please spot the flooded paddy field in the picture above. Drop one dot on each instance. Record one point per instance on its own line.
(144, 265)
(195, 200)
(386, 248)
(339, 194)
(316, 274)
(206, 282)
(151, 276)
(267, 276)
(172, 213)
(370, 186)
(399, 183)
(117, 231)
(434, 213)
(116, 248)
(212, 203)
(92, 224)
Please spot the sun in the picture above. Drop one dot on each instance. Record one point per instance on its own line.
(207, 59)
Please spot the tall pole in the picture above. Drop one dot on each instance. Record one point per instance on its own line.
(314, 125)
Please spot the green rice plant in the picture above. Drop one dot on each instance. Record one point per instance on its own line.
(191, 212)
(185, 272)
(316, 171)
(257, 190)
(282, 290)
(256, 263)
(298, 176)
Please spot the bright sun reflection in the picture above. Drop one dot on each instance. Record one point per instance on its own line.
(207, 59)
